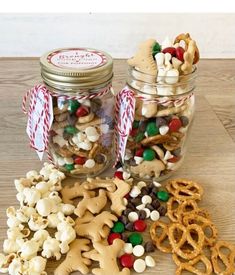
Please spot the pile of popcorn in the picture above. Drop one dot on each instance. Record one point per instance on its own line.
(29, 243)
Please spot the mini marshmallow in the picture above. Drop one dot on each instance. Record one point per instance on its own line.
(163, 130)
(90, 163)
(138, 160)
(176, 63)
(29, 249)
(167, 62)
(51, 248)
(85, 145)
(172, 76)
(160, 58)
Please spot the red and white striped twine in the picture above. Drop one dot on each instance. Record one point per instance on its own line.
(31, 96)
(121, 129)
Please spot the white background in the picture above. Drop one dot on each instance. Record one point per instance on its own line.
(118, 34)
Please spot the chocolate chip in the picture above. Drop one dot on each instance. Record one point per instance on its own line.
(130, 227)
(156, 204)
(142, 125)
(118, 165)
(123, 219)
(125, 238)
(149, 247)
(168, 118)
(144, 191)
(131, 206)
(153, 196)
(132, 162)
(136, 201)
(66, 136)
(142, 215)
(176, 152)
(99, 158)
(154, 190)
(160, 122)
(72, 119)
(162, 210)
(95, 105)
(127, 211)
(184, 120)
(149, 206)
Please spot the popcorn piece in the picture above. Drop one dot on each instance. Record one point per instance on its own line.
(92, 134)
(37, 265)
(51, 248)
(18, 232)
(53, 220)
(60, 141)
(29, 249)
(12, 246)
(31, 196)
(44, 207)
(37, 222)
(40, 236)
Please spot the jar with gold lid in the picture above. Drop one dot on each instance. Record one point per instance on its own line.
(79, 81)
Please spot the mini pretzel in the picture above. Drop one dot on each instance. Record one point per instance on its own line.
(179, 243)
(172, 211)
(160, 241)
(190, 265)
(171, 111)
(156, 139)
(95, 183)
(174, 142)
(227, 259)
(93, 204)
(186, 38)
(94, 150)
(188, 206)
(205, 224)
(184, 189)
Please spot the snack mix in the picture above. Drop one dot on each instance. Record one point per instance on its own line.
(162, 80)
(103, 220)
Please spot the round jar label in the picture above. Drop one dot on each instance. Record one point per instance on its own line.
(82, 59)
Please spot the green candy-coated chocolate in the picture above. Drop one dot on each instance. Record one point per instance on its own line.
(73, 106)
(139, 137)
(149, 154)
(70, 130)
(69, 167)
(118, 227)
(135, 124)
(152, 129)
(163, 195)
(156, 49)
(135, 239)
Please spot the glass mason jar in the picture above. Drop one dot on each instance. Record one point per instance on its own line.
(163, 114)
(81, 136)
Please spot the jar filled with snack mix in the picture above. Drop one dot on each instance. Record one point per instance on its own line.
(80, 132)
(157, 107)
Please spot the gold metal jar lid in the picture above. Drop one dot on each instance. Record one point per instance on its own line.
(76, 68)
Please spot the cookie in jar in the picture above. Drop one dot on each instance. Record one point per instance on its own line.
(157, 107)
(81, 135)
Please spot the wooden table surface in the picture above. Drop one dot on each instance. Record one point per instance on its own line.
(210, 158)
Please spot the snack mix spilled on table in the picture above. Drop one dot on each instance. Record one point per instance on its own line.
(103, 220)
(162, 77)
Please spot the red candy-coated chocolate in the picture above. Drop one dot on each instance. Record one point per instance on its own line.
(127, 260)
(173, 159)
(133, 132)
(139, 152)
(113, 236)
(80, 160)
(170, 50)
(179, 52)
(140, 225)
(175, 125)
(118, 174)
(82, 111)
